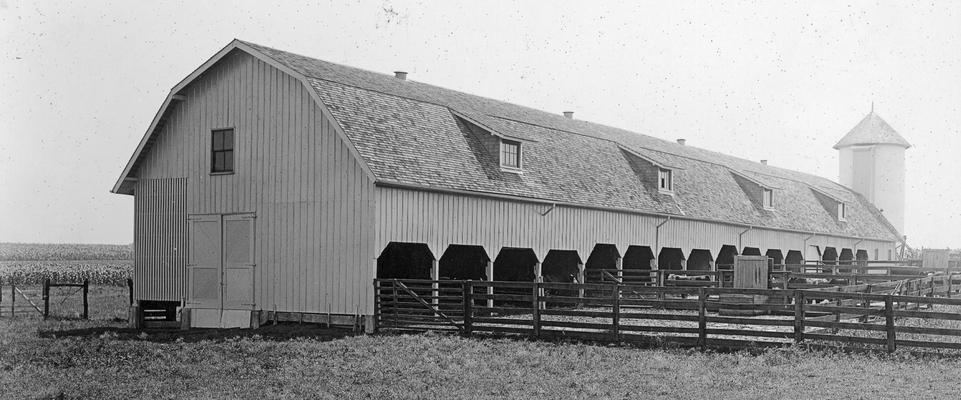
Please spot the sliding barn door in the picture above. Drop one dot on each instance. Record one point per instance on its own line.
(221, 270)
(238, 271)
(203, 266)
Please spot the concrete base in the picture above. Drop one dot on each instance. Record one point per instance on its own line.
(253, 319)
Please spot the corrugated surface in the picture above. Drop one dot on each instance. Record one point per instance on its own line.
(312, 200)
(160, 239)
(442, 219)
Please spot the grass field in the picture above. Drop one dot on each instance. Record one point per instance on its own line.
(100, 358)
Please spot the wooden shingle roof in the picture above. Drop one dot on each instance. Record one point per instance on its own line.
(411, 133)
(407, 132)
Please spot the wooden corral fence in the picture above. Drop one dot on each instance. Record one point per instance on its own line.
(917, 312)
(782, 276)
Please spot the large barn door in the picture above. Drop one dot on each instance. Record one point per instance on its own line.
(238, 270)
(203, 265)
(221, 270)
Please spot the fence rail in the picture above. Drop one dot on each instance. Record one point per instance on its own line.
(918, 312)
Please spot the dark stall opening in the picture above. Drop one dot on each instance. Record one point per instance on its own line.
(670, 258)
(638, 258)
(700, 260)
(603, 257)
(461, 262)
(405, 261)
(725, 257)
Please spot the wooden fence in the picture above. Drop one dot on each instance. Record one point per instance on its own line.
(918, 312)
(790, 276)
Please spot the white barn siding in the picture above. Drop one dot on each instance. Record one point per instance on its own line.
(311, 198)
(442, 219)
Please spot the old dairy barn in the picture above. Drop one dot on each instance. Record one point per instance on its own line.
(276, 186)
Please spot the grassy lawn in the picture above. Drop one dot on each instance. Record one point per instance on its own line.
(102, 359)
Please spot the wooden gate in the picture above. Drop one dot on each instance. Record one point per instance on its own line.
(420, 304)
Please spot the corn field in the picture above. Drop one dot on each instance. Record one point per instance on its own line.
(31, 263)
(58, 251)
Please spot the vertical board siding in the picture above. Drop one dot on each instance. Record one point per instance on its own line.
(160, 239)
(442, 219)
(311, 198)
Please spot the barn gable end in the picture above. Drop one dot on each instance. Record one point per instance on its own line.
(310, 195)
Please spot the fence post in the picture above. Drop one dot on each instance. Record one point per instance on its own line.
(130, 290)
(798, 316)
(13, 298)
(536, 309)
(392, 306)
(950, 278)
(468, 307)
(616, 311)
(866, 304)
(837, 315)
(86, 289)
(889, 322)
(701, 318)
(46, 298)
(378, 306)
(931, 295)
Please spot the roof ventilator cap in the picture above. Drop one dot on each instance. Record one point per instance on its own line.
(569, 114)
(402, 75)
(764, 162)
(681, 141)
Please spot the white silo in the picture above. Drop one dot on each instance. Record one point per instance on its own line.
(872, 163)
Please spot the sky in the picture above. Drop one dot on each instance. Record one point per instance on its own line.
(783, 81)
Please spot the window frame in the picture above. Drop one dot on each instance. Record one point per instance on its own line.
(665, 180)
(767, 198)
(505, 144)
(842, 211)
(222, 150)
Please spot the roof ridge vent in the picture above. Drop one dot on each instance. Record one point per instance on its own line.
(402, 75)
(568, 114)
(681, 141)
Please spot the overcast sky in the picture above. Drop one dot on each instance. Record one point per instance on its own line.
(783, 81)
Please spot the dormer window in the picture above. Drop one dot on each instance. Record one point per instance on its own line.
(510, 154)
(768, 198)
(665, 180)
(841, 212)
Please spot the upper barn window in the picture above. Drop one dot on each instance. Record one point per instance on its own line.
(768, 198)
(665, 180)
(841, 212)
(510, 154)
(222, 151)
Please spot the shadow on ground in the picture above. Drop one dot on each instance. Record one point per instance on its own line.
(281, 331)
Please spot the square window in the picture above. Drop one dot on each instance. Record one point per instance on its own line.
(510, 154)
(222, 151)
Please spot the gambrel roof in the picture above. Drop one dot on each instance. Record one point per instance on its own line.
(413, 134)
